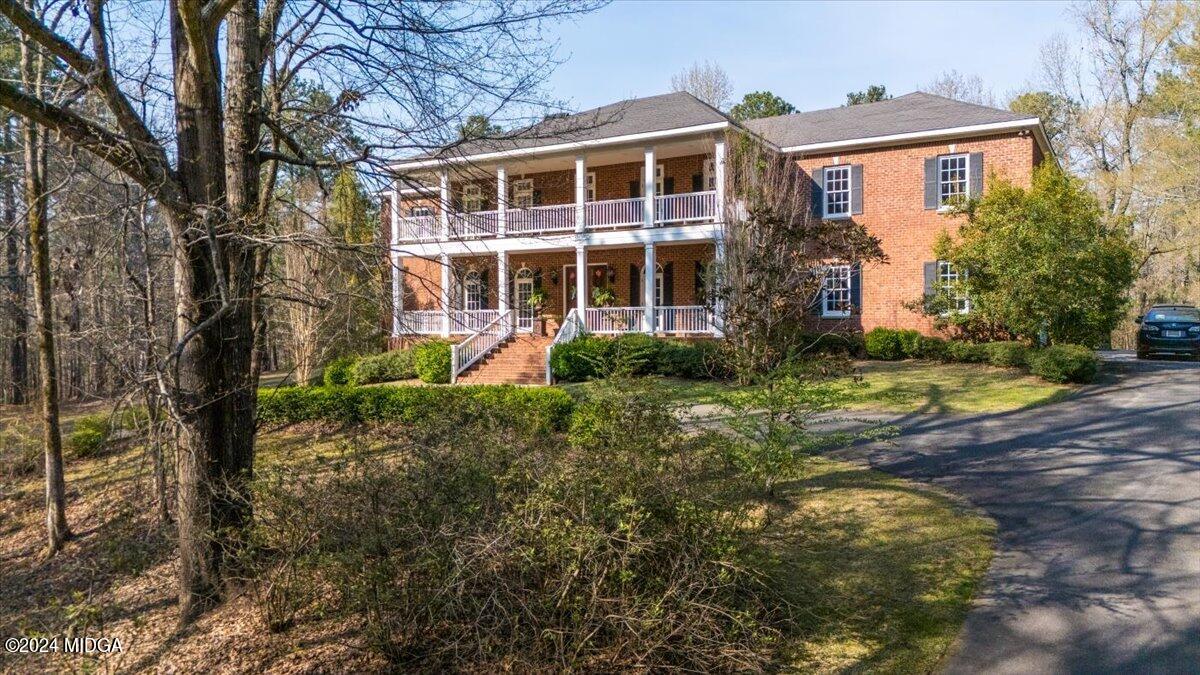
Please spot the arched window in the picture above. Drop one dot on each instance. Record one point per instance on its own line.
(472, 291)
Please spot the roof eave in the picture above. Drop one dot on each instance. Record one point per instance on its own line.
(933, 134)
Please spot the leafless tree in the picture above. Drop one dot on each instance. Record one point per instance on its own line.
(961, 87)
(706, 81)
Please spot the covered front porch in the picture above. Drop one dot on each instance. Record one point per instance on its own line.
(650, 288)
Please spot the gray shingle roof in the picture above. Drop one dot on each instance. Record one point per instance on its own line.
(909, 113)
(634, 116)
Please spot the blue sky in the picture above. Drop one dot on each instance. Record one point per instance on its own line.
(809, 53)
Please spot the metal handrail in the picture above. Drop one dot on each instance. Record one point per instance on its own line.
(464, 354)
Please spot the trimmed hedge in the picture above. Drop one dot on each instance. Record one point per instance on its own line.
(589, 357)
(398, 364)
(1065, 363)
(532, 409)
(338, 371)
(431, 361)
(886, 344)
(1007, 354)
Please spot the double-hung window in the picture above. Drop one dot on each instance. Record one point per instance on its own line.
(418, 211)
(710, 174)
(523, 193)
(658, 179)
(948, 279)
(590, 187)
(837, 191)
(952, 179)
(835, 291)
(472, 199)
(472, 291)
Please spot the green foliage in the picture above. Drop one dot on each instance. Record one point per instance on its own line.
(911, 343)
(758, 104)
(873, 93)
(338, 371)
(883, 344)
(590, 357)
(842, 344)
(89, 435)
(1055, 111)
(397, 364)
(528, 532)
(478, 126)
(1065, 363)
(1010, 354)
(1043, 260)
(431, 361)
(966, 352)
(531, 409)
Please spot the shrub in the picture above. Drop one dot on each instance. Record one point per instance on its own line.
(529, 409)
(89, 435)
(20, 454)
(883, 344)
(589, 357)
(431, 361)
(690, 360)
(1065, 363)
(965, 352)
(933, 348)
(584, 358)
(1006, 354)
(910, 343)
(634, 354)
(386, 367)
(528, 533)
(337, 372)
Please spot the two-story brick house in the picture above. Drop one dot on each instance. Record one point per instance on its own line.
(633, 194)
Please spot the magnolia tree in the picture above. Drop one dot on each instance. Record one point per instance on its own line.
(194, 101)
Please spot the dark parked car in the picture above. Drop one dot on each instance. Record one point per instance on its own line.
(1170, 330)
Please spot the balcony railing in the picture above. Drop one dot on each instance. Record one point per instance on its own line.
(679, 320)
(432, 321)
(689, 207)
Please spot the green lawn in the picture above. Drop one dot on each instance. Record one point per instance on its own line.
(914, 386)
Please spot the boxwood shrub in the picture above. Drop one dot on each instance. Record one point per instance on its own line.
(532, 409)
(589, 357)
(431, 361)
(386, 367)
(883, 344)
(338, 371)
(1010, 354)
(1065, 363)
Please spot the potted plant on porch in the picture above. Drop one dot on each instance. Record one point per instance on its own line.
(537, 300)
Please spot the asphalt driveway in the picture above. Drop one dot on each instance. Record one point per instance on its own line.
(1098, 504)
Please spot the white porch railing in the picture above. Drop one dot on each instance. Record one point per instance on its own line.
(684, 207)
(471, 320)
(570, 329)
(541, 219)
(613, 320)
(420, 228)
(613, 213)
(476, 224)
(421, 322)
(683, 319)
(464, 354)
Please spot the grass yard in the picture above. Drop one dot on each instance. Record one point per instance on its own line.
(914, 386)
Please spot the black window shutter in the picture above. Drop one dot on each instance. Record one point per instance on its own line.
(701, 296)
(930, 277)
(856, 288)
(975, 164)
(635, 299)
(818, 193)
(537, 279)
(931, 183)
(819, 299)
(856, 189)
(483, 289)
(537, 197)
(697, 182)
(668, 284)
(635, 189)
(669, 185)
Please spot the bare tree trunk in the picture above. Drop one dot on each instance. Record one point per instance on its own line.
(14, 243)
(39, 241)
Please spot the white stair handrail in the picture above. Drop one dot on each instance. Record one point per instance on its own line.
(477, 345)
(571, 328)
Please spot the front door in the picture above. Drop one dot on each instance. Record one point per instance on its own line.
(523, 290)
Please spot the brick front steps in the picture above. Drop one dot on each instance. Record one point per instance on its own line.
(520, 360)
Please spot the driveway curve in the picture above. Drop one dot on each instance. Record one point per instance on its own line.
(1097, 499)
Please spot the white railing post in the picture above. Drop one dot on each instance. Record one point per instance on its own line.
(648, 184)
(719, 168)
(718, 319)
(445, 292)
(501, 201)
(580, 191)
(394, 256)
(444, 212)
(648, 289)
(502, 279)
(581, 279)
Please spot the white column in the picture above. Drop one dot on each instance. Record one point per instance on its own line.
(719, 168)
(648, 189)
(397, 280)
(581, 280)
(445, 295)
(502, 279)
(501, 200)
(445, 204)
(580, 191)
(718, 309)
(648, 290)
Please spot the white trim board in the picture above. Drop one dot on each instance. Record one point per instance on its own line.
(934, 134)
(568, 240)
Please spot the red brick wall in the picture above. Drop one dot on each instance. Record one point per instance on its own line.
(893, 211)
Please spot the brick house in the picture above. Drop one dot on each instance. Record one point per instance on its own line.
(633, 193)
